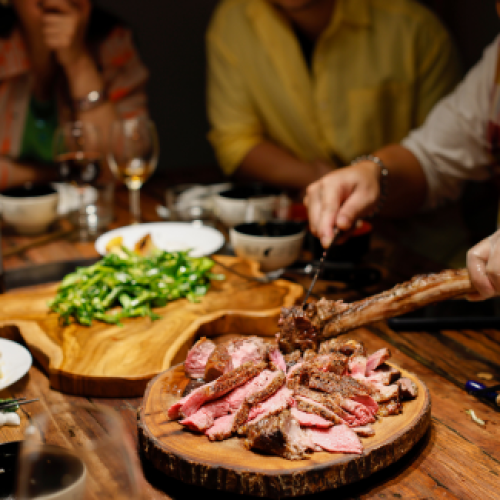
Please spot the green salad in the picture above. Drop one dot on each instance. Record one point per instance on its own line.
(125, 285)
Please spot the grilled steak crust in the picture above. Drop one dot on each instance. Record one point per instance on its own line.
(292, 359)
(393, 407)
(329, 400)
(349, 347)
(344, 385)
(274, 385)
(218, 363)
(237, 377)
(280, 435)
(310, 406)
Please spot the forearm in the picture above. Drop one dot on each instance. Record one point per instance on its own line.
(84, 77)
(271, 164)
(17, 174)
(407, 185)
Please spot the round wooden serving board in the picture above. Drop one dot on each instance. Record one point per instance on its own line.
(118, 361)
(229, 466)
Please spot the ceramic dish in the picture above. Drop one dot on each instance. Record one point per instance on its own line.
(15, 361)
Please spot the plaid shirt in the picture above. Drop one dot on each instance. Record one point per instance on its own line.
(124, 81)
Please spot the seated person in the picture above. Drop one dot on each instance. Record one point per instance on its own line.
(459, 140)
(299, 87)
(53, 55)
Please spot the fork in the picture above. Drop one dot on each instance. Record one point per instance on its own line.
(267, 278)
(10, 403)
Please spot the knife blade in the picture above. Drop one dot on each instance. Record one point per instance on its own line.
(336, 233)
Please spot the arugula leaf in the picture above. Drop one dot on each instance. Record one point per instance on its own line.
(128, 285)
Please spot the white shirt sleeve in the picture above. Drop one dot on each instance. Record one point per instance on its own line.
(452, 144)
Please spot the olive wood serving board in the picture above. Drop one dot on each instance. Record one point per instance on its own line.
(229, 466)
(118, 361)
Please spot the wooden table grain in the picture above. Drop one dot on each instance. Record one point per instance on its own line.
(456, 459)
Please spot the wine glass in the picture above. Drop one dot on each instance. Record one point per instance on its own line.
(77, 451)
(133, 155)
(78, 151)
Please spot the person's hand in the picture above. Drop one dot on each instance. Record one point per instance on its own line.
(341, 197)
(483, 264)
(64, 27)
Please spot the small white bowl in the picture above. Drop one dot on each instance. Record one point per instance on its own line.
(29, 209)
(245, 204)
(273, 244)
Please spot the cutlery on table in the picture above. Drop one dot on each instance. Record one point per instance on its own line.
(10, 403)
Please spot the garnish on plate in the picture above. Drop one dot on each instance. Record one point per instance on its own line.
(124, 284)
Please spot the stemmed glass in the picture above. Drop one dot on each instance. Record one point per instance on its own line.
(133, 155)
(77, 452)
(78, 151)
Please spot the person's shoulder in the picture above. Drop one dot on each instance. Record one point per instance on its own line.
(409, 12)
(229, 13)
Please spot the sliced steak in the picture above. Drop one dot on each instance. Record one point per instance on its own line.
(368, 402)
(362, 413)
(197, 357)
(292, 359)
(204, 418)
(312, 407)
(279, 435)
(282, 399)
(235, 398)
(222, 428)
(364, 431)
(276, 359)
(391, 373)
(309, 354)
(392, 407)
(306, 419)
(348, 347)
(213, 390)
(407, 388)
(274, 383)
(377, 358)
(345, 385)
(328, 400)
(338, 439)
(385, 393)
(245, 350)
(357, 365)
(218, 363)
(192, 385)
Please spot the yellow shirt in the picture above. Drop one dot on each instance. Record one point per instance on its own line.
(377, 70)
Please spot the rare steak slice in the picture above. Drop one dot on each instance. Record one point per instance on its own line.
(407, 388)
(306, 405)
(235, 398)
(222, 428)
(205, 416)
(197, 357)
(362, 413)
(276, 359)
(218, 363)
(279, 435)
(357, 365)
(213, 390)
(377, 358)
(274, 383)
(310, 419)
(245, 350)
(390, 373)
(340, 439)
(368, 402)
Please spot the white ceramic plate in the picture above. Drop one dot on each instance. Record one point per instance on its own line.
(169, 236)
(15, 361)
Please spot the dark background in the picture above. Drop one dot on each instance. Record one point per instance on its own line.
(170, 38)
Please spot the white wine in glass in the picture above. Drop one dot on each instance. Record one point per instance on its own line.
(133, 155)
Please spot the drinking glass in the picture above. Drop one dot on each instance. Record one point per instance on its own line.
(76, 452)
(133, 155)
(78, 151)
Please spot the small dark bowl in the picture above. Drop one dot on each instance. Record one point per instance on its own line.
(249, 191)
(29, 191)
(270, 228)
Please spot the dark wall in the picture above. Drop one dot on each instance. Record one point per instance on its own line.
(170, 37)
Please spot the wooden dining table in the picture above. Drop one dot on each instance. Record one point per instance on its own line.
(456, 459)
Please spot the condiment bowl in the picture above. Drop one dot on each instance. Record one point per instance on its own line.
(274, 244)
(247, 203)
(29, 209)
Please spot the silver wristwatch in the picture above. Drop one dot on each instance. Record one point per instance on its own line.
(90, 101)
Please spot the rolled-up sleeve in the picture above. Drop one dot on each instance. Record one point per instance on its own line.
(235, 127)
(452, 144)
(124, 74)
